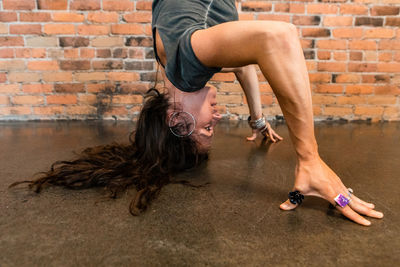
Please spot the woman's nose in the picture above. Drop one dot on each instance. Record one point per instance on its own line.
(217, 116)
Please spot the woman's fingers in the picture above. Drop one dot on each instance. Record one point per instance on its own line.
(369, 205)
(360, 208)
(287, 205)
(354, 216)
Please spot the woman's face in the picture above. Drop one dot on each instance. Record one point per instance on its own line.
(202, 105)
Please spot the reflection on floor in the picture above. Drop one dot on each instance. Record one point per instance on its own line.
(235, 220)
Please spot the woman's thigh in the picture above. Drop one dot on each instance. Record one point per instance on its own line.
(235, 43)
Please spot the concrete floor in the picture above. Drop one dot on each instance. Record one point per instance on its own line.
(235, 220)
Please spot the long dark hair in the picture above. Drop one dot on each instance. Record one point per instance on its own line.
(146, 163)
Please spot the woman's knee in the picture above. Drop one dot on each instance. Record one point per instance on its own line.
(281, 36)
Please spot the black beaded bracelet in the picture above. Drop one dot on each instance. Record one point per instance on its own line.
(295, 197)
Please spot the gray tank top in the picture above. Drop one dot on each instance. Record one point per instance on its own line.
(176, 20)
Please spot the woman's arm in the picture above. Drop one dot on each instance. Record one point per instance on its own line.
(247, 77)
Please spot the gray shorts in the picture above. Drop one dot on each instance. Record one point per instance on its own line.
(176, 21)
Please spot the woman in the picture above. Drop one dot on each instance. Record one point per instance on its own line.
(193, 39)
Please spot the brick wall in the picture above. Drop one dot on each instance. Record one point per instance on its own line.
(85, 59)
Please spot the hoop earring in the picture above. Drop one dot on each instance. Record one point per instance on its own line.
(172, 125)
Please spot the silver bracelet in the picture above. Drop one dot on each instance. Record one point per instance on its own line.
(257, 124)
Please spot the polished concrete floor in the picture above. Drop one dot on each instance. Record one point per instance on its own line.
(234, 220)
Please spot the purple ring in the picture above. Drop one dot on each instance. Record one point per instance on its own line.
(341, 200)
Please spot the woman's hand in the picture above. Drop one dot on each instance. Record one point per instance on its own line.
(268, 133)
(315, 178)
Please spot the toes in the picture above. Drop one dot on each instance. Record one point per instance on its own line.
(287, 205)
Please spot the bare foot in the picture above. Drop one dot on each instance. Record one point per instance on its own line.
(315, 178)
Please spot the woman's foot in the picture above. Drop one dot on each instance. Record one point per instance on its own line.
(315, 178)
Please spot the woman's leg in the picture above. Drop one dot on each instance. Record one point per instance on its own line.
(275, 47)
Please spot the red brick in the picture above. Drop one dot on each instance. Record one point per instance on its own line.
(324, 55)
(361, 110)
(256, 6)
(323, 99)
(281, 7)
(28, 100)
(392, 21)
(306, 20)
(75, 64)
(353, 9)
(382, 100)
(376, 78)
(297, 8)
(340, 56)
(384, 10)
(11, 41)
(389, 67)
(43, 65)
(37, 88)
(19, 4)
(127, 29)
(53, 4)
(362, 67)
(6, 53)
(52, 110)
(57, 76)
(81, 110)
(347, 33)
(15, 110)
(71, 53)
(24, 77)
(127, 99)
(359, 21)
(389, 45)
(143, 5)
(8, 16)
(4, 100)
(85, 5)
(338, 21)
(103, 17)
(123, 76)
(229, 99)
(387, 90)
(3, 77)
(87, 53)
(9, 88)
(69, 88)
(385, 56)
(332, 44)
(332, 66)
(68, 17)
(61, 99)
(351, 100)
(59, 29)
(107, 64)
(337, 111)
(362, 45)
(118, 5)
(274, 17)
(26, 29)
(92, 76)
(34, 16)
(379, 33)
(315, 32)
(138, 17)
(356, 56)
(93, 29)
(329, 88)
(321, 9)
(320, 77)
(359, 89)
